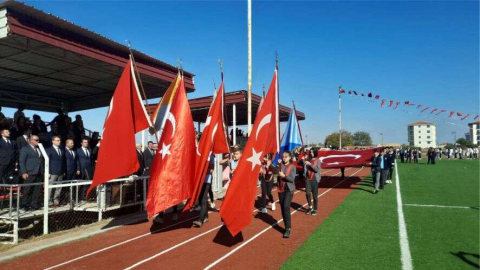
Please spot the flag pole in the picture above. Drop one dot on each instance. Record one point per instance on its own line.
(224, 106)
(298, 123)
(340, 117)
(249, 82)
(134, 63)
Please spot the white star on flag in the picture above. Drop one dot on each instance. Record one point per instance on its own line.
(165, 150)
(255, 158)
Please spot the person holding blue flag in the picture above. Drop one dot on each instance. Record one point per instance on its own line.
(291, 139)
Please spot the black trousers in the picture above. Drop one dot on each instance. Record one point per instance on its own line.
(383, 177)
(311, 188)
(31, 193)
(203, 201)
(402, 158)
(390, 173)
(6, 173)
(266, 191)
(285, 199)
(210, 193)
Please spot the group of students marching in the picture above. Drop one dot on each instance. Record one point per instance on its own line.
(382, 164)
(283, 174)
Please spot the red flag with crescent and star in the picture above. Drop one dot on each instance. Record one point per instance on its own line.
(213, 141)
(173, 169)
(126, 116)
(237, 207)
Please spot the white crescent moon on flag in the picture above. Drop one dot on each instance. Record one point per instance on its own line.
(172, 120)
(209, 119)
(214, 130)
(339, 156)
(265, 120)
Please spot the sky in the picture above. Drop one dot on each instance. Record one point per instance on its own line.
(422, 51)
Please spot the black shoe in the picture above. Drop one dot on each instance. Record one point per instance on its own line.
(287, 233)
(309, 211)
(314, 212)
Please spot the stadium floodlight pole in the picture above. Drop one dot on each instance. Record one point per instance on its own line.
(340, 117)
(249, 82)
(134, 63)
(382, 137)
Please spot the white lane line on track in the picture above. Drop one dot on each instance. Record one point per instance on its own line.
(406, 256)
(271, 226)
(138, 237)
(189, 240)
(441, 206)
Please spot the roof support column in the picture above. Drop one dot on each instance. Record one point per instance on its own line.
(234, 127)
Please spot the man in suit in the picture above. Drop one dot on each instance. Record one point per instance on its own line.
(85, 160)
(56, 166)
(31, 163)
(85, 165)
(140, 161)
(23, 140)
(376, 173)
(71, 161)
(384, 168)
(148, 156)
(8, 157)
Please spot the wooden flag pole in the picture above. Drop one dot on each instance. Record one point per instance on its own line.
(134, 63)
(298, 123)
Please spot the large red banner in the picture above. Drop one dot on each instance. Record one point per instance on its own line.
(338, 159)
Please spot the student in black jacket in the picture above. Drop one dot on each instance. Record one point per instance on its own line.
(375, 165)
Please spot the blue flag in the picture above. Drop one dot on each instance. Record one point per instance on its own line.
(291, 138)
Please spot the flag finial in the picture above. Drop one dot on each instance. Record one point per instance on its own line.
(220, 63)
(276, 59)
(128, 43)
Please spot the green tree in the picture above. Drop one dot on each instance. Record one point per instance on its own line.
(464, 142)
(449, 146)
(362, 138)
(333, 139)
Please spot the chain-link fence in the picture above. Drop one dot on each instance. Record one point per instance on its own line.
(27, 210)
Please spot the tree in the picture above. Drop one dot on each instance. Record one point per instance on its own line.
(362, 138)
(464, 142)
(333, 139)
(449, 146)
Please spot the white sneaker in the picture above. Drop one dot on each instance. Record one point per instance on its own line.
(273, 206)
(212, 205)
(175, 217)
(264, 210)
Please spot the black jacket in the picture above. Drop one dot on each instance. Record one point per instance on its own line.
(8, 152)
(30, 162)
(56, 162)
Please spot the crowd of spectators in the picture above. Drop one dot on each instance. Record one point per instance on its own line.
(72, 154)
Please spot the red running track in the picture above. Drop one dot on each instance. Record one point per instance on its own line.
(181, 246)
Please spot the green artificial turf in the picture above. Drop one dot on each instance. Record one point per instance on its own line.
(362, 233)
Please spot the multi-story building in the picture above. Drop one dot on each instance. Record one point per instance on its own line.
(474, 128)
(422, 134)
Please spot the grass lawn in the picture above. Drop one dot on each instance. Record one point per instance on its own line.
(362, 233)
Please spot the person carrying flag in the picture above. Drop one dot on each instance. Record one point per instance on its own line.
(286, 187)
(312, 178)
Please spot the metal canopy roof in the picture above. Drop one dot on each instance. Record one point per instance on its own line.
(201, 106)
(47, 63)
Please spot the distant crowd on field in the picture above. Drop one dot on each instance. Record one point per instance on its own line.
(412, 155)
(71, 153)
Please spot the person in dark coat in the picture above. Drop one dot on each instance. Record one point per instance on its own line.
(141, 170)
(31, 164)
(8, 157)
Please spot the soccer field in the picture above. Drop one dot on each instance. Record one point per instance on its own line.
(441, 211)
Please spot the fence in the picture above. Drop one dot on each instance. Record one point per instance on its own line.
(65, 205)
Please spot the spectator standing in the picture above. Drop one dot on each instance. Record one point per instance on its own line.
(24, 139)
(8, 157)
(148, 156)
(56, 166)
(71, 161)
(141, 169)
(19, 113)
(376, 171)
(31, 163)
(38, 125)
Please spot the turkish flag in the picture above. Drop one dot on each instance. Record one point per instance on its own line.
(396, 105)
(451, 113)
(213, 141)
(441, 111)
(434, 110)
(476, 117)
(126, 116)
(391, 103)
(383, 102)
(237, 207)
(340, 159)
(459, 114)
(173, 169)
(426, 108)
(466, 116)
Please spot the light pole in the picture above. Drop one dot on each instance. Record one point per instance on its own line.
(381, 134)
(454, 138)
(306, 138)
